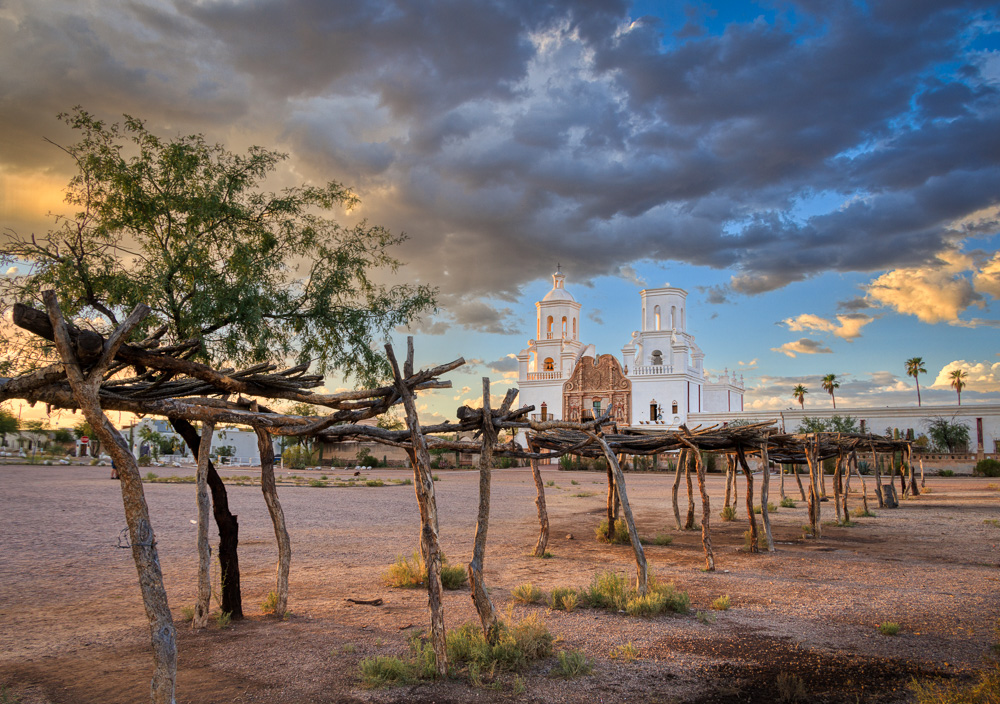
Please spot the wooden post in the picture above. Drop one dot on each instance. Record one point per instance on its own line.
(781, 481)
(908, 458)
(878, 477)
(480, 597)
(543, 514)
(764, 485)
(847, 484)
(741, 456)
(681, 459)
(204, 600)
(729, 479)
(923, 483)
(798, 480)
(838, 485)
(706, 513)
(864, 484)
(609, 534)
(270, 490)
(429, 546)
(689, 524)
(642, 576)
(141, 537)
(815, 471)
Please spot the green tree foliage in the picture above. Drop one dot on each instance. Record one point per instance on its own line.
(948, 435)
(958, 382)
(915, 366)
(799, 394)
(829, 384)
(184, 226)
(9, 424)
(836, 424)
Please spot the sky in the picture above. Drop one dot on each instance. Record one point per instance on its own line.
(822, 177)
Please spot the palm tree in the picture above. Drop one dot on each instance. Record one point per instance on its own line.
(915, 366)
(799, 394)
(958, 378)
(830, 383)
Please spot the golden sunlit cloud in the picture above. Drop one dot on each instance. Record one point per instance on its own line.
(803, 346)
(933, 294)
(849, 327)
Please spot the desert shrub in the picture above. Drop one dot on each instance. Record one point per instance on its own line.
(366, 458)
(223, 618)
(888, 628)
(864, 467)
(411, 572)
(860, 512)
(527, 593)
(790, 687)
(946, 473)
(987, 468)
(297, 457)
(722, 603)
(771, 508)
(383, 670)
(516, 646)
(187, 615)
(620, 535)
(608, 590)
(728, 513)
(787, 502)
(572, 663)
(748, 540)
(317, 483)
(374, 482)
(270, 603)
(626, 652)
(564, 598)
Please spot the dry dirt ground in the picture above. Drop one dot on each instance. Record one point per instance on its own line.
(73, 630)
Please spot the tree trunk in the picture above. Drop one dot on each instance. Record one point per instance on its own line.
(815, 471)
(741, 456)
(706, 514)
(864, 484)
(908, 458)
(837, 488)
(689, 524)
(543, 514)
(226, 521)
(430, 548)
(642, 576)
(270, 490)
(902, 477)
(681, 459)
(878, 478)
(729, 479)
(923, 483)
(781, 481)
(822, 482)
(480, 597)
(141, 538)
(847, 484)
(798, 480)
(204, 601)
(610, 533)
(764, 485)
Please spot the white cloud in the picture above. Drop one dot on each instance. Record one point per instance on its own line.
(934, 294)
(982, 376)
(12, 271)
(847, 327)
(803, 346)
(987, 280)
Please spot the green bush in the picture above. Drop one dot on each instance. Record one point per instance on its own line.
(516, 646)
(946, 473)
(383, 670)
(888, 628)
(572, 663)
(620, 535)
(609, 590)
(787, 502)
(728, 513)
(297, 457)
(527, 594)
(563, 598)
(411, 572)
(987, 468)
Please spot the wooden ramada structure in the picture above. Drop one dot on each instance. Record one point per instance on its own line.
(97, 374)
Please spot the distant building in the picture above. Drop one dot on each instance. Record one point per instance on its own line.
(660, 379)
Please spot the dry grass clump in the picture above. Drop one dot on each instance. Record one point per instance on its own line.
(728, 513)
(572, 663)
(564, 598)
(609, 590)
(888, 628)
(620, 535)
(722, 603)
(527, 594)
(626, 652)
(411, 572)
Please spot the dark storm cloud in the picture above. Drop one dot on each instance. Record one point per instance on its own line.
(504, 364)
(506, 136)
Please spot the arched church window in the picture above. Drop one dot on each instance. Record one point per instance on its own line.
(549, 365)
(564, 327)
(656, 318)
(597, 407)
(548, 327)
(656, 359)
(574, 328)
(673, 317)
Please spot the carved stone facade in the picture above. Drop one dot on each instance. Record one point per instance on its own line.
(594, 387)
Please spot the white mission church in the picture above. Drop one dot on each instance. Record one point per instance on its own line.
(660, 379)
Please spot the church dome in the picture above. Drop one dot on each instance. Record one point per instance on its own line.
(558, 292)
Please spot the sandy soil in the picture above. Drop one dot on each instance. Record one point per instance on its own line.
(73, 630)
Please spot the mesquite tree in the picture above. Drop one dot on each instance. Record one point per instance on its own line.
(184, 226)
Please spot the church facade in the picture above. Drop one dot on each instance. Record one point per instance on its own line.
(659, 380)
